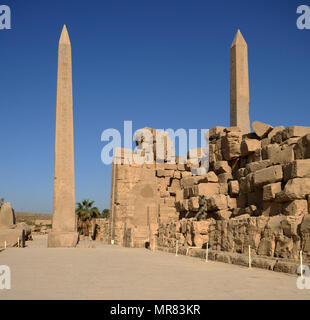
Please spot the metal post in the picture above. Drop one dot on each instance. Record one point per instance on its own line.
(177, 248)
(301, 271)
(250, 261)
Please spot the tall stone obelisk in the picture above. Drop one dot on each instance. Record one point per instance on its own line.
(239, 84)
(64, 232)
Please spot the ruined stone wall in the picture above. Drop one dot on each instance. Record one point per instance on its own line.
(101, 230)
(256, 193)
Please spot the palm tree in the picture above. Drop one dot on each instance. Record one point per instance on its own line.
(105, 213)
(85, 213)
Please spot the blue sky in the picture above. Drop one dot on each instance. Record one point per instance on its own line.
(163, 64)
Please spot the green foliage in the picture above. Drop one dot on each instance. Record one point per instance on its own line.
(105, 213)
(85, 212)
(1, 202)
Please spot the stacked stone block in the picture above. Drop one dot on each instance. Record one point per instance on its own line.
(257, 181)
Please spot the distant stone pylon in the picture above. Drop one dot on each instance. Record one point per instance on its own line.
(64, 232)
(239, 84)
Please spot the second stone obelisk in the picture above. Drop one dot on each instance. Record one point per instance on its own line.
(64, 232)
(239, 84)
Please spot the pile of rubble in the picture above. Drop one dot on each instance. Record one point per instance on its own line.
(12, 234)
(255, 193)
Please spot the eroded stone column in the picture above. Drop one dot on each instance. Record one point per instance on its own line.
(239, 84)
(64, 232)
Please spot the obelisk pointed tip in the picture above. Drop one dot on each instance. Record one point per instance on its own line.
(238, 40)
(64, 38)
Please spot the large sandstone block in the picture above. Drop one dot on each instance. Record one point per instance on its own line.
(233, 187)
(268, 175)
(274, 131)
(270, 191)
(290, 226)
(11, 237)
(257, 165)
(249, 146)
(209, 177)
(202, 227)
(231, 202)
(295, 131)
(207, 189)
(278, 156)
(222, 167)
(302, 148)
(296, 188)
(187, 182)
(261, 129)
(295, 208)
(225, 177)
(217, 202)
(7, 217)
(216, 132)
(297, 169)
(231, 145)
(193, 204)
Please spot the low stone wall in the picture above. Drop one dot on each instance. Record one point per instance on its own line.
(272, 264)
(276, 237)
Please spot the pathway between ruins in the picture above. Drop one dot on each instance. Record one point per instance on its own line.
(114, 272)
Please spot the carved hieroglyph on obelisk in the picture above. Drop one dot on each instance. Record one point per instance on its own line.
(239, 84)
(64, 219)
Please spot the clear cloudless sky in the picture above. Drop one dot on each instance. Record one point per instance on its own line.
(159, 63)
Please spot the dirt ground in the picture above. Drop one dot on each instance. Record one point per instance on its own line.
(114, 272)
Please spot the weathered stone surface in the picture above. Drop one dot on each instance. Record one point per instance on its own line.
(64, 219)
(302, 148)
(11, 237)
(7, 217)
(233, 187)
(261, 129)
(249, 146)
(296, 131)
(231, 145)
(271, 208)
(222, 167)
(296, 188)
(193, 204)
(270, 191)
(221, 214)
(278, 156)
(225, 177)
(274, 131)
(217, 202)
(305, 234)
(295, 208)
(297, 169)
(268, 175)
(209, 177)
(216, 132)
(188, 182)
(257, 165)
(207, 189)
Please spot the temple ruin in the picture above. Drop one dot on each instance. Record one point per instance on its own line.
(254, 197)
